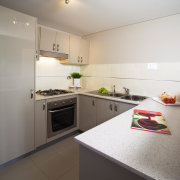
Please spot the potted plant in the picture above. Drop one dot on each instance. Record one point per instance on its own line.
(76, 78)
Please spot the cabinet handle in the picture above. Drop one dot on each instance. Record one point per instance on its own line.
(78, 59)
(93, 103)
(57, 47)
(81, 59)
(54, 46)
(37, 55)
(44, 106)
(115, 108)
(32, 93)
(110, 106)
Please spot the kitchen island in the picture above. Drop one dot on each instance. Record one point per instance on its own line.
(113, 150)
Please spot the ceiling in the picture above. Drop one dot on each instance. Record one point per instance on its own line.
(85, 17)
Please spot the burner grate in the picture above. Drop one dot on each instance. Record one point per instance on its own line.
(52, 92)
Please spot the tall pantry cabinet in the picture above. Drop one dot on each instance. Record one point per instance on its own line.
(17, 54)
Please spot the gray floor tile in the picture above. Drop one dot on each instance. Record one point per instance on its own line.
(22, 170)
(59, 161)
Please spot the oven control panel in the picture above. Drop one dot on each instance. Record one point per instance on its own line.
(61, 103)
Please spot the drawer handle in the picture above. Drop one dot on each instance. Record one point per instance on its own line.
(115, 108)
(44, 106)
(57, 47)
(110, 106)
(93, 103)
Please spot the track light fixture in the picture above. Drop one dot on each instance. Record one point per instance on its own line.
(67, 1)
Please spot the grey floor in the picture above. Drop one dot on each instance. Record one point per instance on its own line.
(56, 162)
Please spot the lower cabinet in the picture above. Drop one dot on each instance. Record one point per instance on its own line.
(87, 114)
(94, 111)
(40, 123)
(105, 110)
(120, 107)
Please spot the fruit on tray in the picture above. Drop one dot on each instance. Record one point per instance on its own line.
(168, 99)
(103, 91)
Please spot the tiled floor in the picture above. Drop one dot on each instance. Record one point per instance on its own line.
(57, 162)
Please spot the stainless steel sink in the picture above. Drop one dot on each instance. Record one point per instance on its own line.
(115, 94)
(121, 96)
(134, 97)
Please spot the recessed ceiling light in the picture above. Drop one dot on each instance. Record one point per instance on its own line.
(67, 1)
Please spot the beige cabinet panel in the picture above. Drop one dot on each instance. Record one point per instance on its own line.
(17, 61)
(84, 51)
(87, 115)
(62, 42)
(79, 50)
(74, 56)
(40, 123)
(47, 40)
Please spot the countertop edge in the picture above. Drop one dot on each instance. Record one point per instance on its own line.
(114, 160)
(89, 94)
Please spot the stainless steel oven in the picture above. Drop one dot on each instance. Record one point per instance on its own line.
(61, 116)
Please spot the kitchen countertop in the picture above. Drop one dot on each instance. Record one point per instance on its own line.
(86, 92)
(151, 155)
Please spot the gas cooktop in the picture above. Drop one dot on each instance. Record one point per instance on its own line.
(52, 92)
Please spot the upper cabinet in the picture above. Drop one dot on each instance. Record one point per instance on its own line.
(75, 47)
(79, 50)
(62, 42)
(53, 41)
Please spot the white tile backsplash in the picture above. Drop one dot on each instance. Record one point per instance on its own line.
(140, 78)
(50, 74)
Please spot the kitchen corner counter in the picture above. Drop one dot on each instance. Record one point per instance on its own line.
(150, 155)
(87, 93)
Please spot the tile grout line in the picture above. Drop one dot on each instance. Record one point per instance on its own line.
(40, 169)
(141, 79)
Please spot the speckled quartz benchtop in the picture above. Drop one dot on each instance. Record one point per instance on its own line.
(151, 155)
(85, 92)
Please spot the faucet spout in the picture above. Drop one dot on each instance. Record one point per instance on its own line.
(114, 90)
(126, 90)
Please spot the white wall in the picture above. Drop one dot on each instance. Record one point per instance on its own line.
(152, 41)
(50, 74)
(121, 56)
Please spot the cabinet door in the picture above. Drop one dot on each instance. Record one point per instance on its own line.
(40, 123)
(84, 51)
(62, 43)
(87, 107)
(105, 110)
(120, 107)
(47, 40)
(17, 60)
(74, 56)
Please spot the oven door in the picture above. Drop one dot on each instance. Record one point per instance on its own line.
(61, 119)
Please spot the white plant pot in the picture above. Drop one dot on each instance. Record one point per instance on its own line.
(77, 82)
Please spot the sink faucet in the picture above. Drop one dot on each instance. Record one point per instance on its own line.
(126, 90)
(114, 90)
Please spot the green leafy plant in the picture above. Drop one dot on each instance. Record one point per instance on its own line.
(76, 75)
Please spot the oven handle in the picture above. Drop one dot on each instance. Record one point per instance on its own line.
(61, 110)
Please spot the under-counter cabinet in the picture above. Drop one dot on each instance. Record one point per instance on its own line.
(87, 115)
(94, 111)
(79, 50)
(120, 107)
(53, 41)
(40, 123)
(107, 109)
